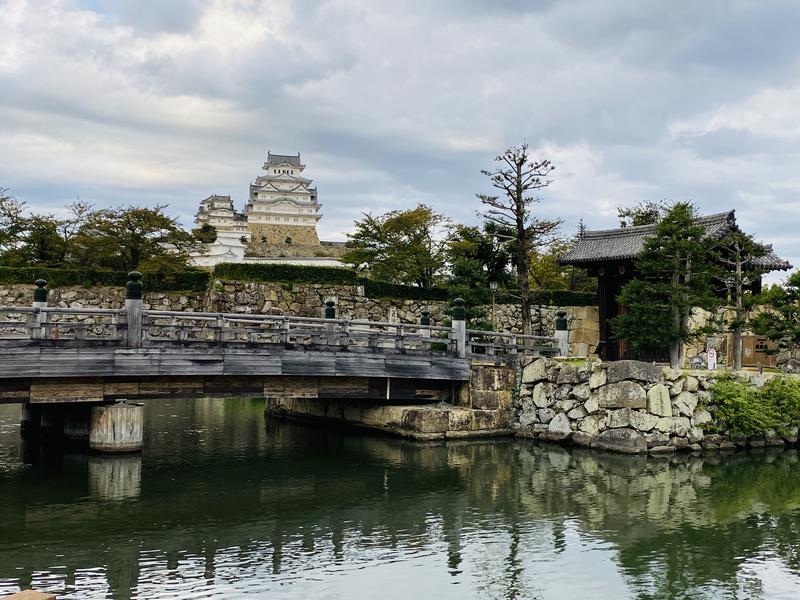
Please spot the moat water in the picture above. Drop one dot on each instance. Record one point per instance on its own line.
(225, 504)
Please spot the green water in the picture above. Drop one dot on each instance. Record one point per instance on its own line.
(223, 504)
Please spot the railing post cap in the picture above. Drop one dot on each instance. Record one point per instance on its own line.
(458, 310)
(134, 287)
(40, 293)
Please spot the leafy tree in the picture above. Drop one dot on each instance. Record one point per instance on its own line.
(780, 321)
(401, 246)
(476, 257)
(674, 275)
(735, 253)
(643, 213)
(206, 234)
(11, 220)
(516, 178)
(127, 238)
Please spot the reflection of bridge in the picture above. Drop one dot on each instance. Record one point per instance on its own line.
(78, 355)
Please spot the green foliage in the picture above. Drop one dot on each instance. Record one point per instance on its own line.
(564, 298)
(286, 273)
(325, 275)
(781, 319)
(746, 410)
(401, 246)
(642, 213)
(188, 280)
(206, 234)
(674, 275)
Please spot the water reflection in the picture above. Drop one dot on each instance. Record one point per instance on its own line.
(224, 504)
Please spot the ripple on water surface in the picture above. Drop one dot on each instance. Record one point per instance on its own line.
(225, 504)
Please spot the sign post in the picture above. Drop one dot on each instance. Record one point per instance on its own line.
(712, 359)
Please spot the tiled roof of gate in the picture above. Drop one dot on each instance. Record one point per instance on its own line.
(627, 242)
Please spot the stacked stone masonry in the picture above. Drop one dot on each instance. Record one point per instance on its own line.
(626, 406)
(307, 300)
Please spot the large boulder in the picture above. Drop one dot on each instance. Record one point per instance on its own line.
(658, 400)
(633, 369)
(590, 425)
(535, 371)
(625, 394)
(559, 429)
(625, 417)
(582, 391)
(685, 403)
(544, 394)
(627, 441)
(568, 373)
(675, 425)
(597, 379)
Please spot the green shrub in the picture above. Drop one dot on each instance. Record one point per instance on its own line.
(746, 410)
(554, 298)
(325, 275)
(189, 280)
(286, 273)
(784, 394)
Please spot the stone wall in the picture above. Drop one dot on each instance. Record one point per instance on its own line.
(582, 322)
(273, 233)
(625, 406)
(307, 300)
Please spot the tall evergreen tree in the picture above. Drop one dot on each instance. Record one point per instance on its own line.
(735, 254)
(674, 274)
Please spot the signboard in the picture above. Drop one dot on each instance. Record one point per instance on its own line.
(712, 359)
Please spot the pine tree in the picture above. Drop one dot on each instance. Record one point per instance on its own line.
(674, 274)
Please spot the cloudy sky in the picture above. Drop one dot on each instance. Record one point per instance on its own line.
(395, 103)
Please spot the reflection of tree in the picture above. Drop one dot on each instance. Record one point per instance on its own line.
(220, 484)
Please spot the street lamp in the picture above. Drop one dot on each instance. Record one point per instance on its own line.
(493, 288)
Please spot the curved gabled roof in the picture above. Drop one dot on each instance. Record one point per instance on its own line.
(627, 242)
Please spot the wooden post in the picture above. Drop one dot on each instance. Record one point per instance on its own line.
(31, 418)
(562, 333)
(460, 327)
(39, 318)
(425, 321)
(330, 313)
(76, 422)
(116, 428)
(133, 309)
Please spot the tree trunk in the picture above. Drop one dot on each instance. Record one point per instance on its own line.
(676, 347)
(522, 256)
(737, 328)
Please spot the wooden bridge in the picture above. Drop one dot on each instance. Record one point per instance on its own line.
(54, 355)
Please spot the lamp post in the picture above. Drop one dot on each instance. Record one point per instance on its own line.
(493, 288)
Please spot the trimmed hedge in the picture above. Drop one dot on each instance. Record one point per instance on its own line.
(194, 281)
(198, 281)
(555, 298)
(564, 298)
(327, 275)
(286, 273)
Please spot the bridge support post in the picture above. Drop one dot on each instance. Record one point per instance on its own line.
(31, 419)
(460, 327)
(116, 428)
(76, 422)
(133, 309)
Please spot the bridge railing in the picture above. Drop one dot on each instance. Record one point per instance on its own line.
(227, 328)
(56, 323)
(134, 327)
(494, 343)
